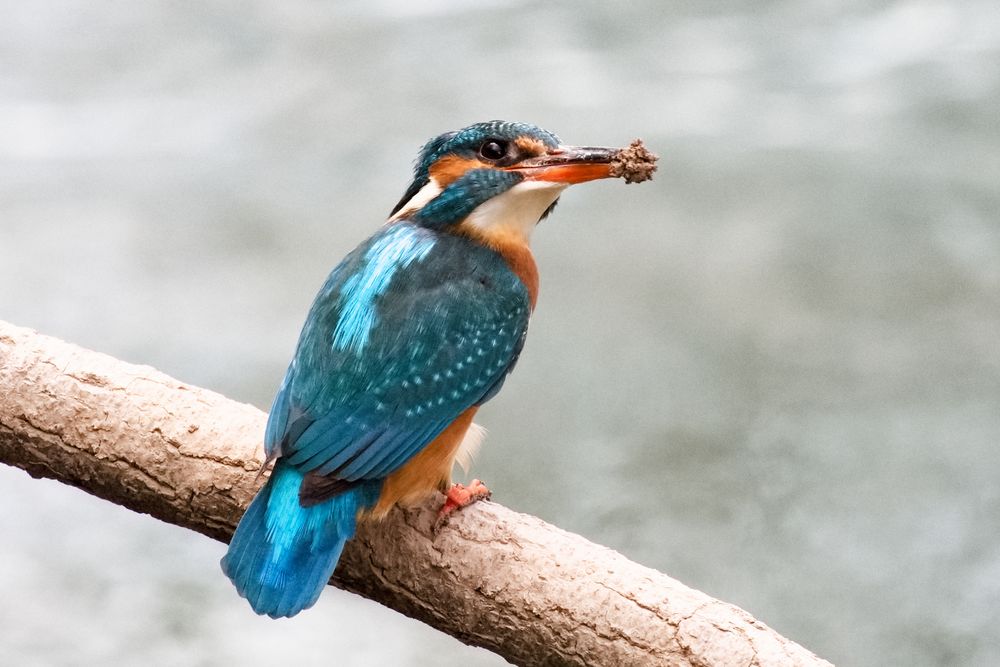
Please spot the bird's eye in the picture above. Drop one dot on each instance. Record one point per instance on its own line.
(493, 149)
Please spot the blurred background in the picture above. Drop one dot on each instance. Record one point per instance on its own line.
(773, 372)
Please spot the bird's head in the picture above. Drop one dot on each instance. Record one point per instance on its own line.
(495, 180)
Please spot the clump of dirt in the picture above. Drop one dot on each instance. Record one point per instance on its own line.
(635, 164)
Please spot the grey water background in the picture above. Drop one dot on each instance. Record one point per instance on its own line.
(773, 372)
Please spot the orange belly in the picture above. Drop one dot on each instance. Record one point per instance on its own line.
(428, 471)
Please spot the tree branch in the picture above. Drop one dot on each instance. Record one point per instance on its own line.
(493, 577)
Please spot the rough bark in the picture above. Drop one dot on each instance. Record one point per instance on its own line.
(493, 577)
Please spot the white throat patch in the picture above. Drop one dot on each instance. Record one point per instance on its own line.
(516, 211)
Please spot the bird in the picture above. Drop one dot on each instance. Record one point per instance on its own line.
(411, 333)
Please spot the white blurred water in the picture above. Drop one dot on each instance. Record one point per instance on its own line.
(773, 372)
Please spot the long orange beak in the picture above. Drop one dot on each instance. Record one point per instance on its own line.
(568, 164)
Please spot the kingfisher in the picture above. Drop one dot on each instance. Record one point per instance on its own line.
(410, 334)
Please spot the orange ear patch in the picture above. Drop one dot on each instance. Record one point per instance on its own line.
(450, 168)
(530, 146)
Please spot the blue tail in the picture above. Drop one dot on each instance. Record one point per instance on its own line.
(283, 554)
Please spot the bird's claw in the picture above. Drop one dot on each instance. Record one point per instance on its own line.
(460, 496)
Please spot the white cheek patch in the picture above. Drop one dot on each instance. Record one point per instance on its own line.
(516, 211)
(417, 201)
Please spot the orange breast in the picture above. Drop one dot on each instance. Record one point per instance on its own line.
(430, 469)
(522, 263)
(513, 247)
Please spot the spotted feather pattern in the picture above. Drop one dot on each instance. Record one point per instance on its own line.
(445, 322)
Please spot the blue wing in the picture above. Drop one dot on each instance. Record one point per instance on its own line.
(408, 332)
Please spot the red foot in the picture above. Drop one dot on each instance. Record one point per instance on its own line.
(460, 496)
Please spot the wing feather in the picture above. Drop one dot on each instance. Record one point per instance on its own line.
(444, 328)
